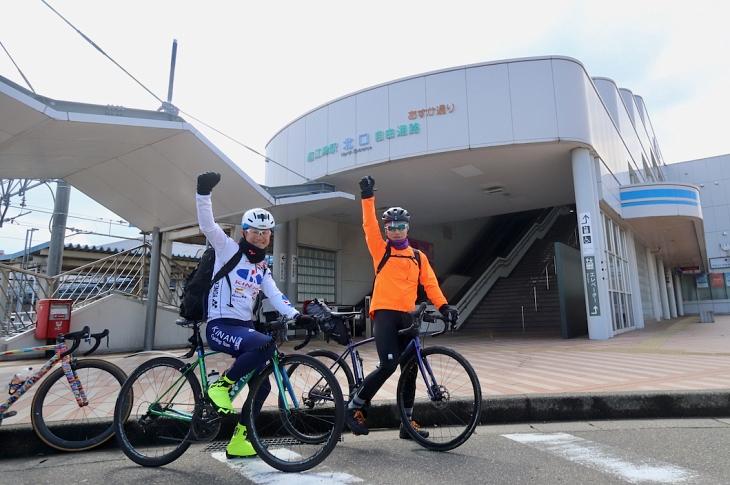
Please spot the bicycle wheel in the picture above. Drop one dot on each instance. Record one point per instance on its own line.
(450, 417)
(163, 394)
(61, 423)
(339, 368)
(301, 437)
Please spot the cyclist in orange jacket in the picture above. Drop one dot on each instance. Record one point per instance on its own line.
(394, 295)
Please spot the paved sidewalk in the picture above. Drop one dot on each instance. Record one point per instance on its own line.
(678, 367)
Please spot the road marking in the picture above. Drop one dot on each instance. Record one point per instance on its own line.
(259, 472)
(606, 459)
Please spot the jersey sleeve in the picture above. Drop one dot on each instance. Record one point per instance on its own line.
(280, 302)
(430, 283)
(216, 236)
(373, 239)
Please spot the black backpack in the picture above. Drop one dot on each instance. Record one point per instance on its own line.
(194, 299)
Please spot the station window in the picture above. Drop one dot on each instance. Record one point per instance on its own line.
(315, 274)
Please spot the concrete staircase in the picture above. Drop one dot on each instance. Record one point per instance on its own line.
(530, 288)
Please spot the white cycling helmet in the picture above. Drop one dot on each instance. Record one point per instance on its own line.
(258, 219)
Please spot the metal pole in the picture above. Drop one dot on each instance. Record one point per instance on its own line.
(152, 289)
(58, 229)
(172, 70)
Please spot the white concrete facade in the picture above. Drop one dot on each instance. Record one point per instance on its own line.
(540, 130)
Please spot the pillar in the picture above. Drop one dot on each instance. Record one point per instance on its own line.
(151, 316)
(291, 262)
(670, 294)
(656, 302)
(661, 278)
(585, 183)
(678, 294)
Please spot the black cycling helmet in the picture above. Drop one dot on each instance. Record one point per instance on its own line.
(396, 214)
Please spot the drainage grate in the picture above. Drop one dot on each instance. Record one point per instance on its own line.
(217, 446)
(221, 445)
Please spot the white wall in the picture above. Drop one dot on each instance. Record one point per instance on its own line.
(712, 177)
(125, 318)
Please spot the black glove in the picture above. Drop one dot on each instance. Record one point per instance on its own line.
(305, 321)
(450, 313)
(367, 186)
(206, 182)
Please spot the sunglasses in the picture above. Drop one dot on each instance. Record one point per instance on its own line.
(258, 232)
(399, 227)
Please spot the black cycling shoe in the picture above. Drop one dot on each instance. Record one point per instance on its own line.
(404, 434)
(355, 420)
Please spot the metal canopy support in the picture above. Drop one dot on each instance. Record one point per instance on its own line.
(58, 229)
(152, 289)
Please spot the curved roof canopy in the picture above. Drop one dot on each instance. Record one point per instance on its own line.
(142, 165)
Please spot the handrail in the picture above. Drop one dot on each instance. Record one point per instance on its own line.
(533, 291)
(123, 272)
(504, 266)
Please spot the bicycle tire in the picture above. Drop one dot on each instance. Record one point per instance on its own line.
(276, 434)
(339, 367)
(56, 416)
(451, 420)
(149, 439)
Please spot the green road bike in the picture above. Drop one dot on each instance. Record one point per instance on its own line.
(294, 422)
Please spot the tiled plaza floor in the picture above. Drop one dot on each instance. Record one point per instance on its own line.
(680, 354)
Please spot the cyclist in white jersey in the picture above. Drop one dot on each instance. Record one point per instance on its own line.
(230, 327)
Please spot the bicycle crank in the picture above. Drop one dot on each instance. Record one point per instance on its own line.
(206, 423)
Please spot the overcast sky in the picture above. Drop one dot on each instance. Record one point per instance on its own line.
(249, 68)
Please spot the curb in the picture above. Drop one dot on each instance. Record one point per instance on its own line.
(20, 441)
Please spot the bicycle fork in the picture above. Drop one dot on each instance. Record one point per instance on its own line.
(73, 380)
(282, 380)
(435, 391)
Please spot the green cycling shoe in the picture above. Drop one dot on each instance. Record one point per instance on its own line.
(218, 394)
(240, 446)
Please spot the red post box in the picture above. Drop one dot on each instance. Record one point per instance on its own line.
(54, 317)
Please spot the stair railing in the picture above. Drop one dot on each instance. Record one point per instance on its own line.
(533, 291)
(502, 267)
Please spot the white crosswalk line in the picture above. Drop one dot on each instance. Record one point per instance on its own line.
(607, 459)
(259, 472)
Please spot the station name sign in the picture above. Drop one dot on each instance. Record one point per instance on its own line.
(363, 140)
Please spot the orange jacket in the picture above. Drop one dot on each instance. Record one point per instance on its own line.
(396, 285)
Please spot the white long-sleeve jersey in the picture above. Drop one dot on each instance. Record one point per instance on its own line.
(246, 278)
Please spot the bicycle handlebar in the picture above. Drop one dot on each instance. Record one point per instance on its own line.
(285, 323)
(420, 315)
(83, 334)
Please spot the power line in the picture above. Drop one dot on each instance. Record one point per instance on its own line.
(18, 68)
(91, 219)
(267, 159)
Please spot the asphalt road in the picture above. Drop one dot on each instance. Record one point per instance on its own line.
(670, 451)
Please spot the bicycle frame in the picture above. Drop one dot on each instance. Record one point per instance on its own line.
(60, 348)
(413, 346)
(282, 381)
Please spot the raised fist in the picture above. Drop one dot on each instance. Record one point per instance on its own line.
(367, 186)
(206, 182)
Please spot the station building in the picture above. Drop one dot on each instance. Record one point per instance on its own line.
(538, 192)
(467, 150)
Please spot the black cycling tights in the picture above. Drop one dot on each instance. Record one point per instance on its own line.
(390, 346)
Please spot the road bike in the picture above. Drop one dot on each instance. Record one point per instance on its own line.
(294, 421)
(448, 394)
(71, 409)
